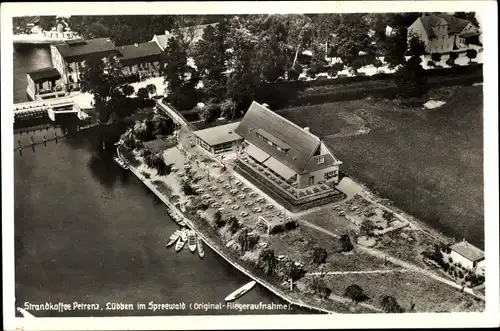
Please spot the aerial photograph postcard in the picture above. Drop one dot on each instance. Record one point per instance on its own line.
(314, 163)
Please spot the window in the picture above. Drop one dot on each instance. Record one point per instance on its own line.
(331, 174)
(320, 159)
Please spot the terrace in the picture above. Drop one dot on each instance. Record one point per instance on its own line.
(285, 183)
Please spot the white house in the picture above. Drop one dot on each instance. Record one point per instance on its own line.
(469, 256)
(443, 33)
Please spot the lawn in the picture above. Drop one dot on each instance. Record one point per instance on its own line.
(427, 294)
(428, 162)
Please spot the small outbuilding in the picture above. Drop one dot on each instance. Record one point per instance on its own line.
(219, 139)
(468, 255)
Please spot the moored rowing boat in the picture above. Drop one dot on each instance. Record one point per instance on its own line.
(239, 292)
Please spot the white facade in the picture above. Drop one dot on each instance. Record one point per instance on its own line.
(438, 38)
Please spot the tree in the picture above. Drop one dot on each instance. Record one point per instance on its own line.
(411, 78)
(210, 111)
(351, 38)
(219, 222)
(319, 287)
(471, 54)
(188, 189)
(247, 241)
(228, 109)
(104, 80)
(234, 224)
(210, 56)
(377, 63)
(151, 89)
(390, 305)
(163, 125)
(451, 59)
(355, 293)
(180, 78)
(345, 243)
(387, 215)
(367, 228)
(319, 255)
(128, 90)
(142, 93)
(244, 77)
(267, 261)
(436, 57)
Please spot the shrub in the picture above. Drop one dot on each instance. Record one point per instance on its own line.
(146, 175)
(332, 72)
(234, 224)
(319, 255)
(278, 228)
(431, 64)
(219, 222)
(312, 72)
(367, 228)
(436, 57)
(318, 286)
(355, 293)
(142, 93)
(339, 66)
(267, 261)
(390, 305)
(290, 225)
(345, 243)
(188, 189)
(293, 74)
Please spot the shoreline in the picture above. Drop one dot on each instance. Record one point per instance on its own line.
(176, 213)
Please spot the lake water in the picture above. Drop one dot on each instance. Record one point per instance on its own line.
(87, 231)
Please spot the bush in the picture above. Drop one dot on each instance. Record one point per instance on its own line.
(355, 293)
(339, 66)
(247, 242)
(188, 189)
(142, 93)
(312, 72)
(390, 305)
(290, 225)
(146, 175)
(318, 286)
(319, 255)
(234, 224)
(278, 228)
(431, 64)
(367, 228)
(436, 57)
(293, 74)
(345, 243)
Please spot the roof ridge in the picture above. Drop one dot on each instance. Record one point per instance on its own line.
(288, 121)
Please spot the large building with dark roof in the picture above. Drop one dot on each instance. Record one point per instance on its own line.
(143, 59)
(69, 57)
(288, 162)
(443, 33)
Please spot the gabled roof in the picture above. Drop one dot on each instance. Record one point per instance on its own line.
(455, 24)
(143, 51)
(428, 21)
(468, 251)
(77, 50)
(302, 144)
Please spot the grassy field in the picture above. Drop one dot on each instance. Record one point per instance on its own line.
(428, 161)
(427, 294)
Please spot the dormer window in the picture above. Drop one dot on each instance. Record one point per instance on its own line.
(320, 159)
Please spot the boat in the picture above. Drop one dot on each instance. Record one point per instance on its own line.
(120, 163)
(199, 246)
(173, 238)
(239, 292)
(180, 243)
(192, 240)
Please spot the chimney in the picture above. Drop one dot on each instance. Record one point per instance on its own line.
(136, 45)
(167, 33)
(306, 129)
(108, 40)
(265, 105)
